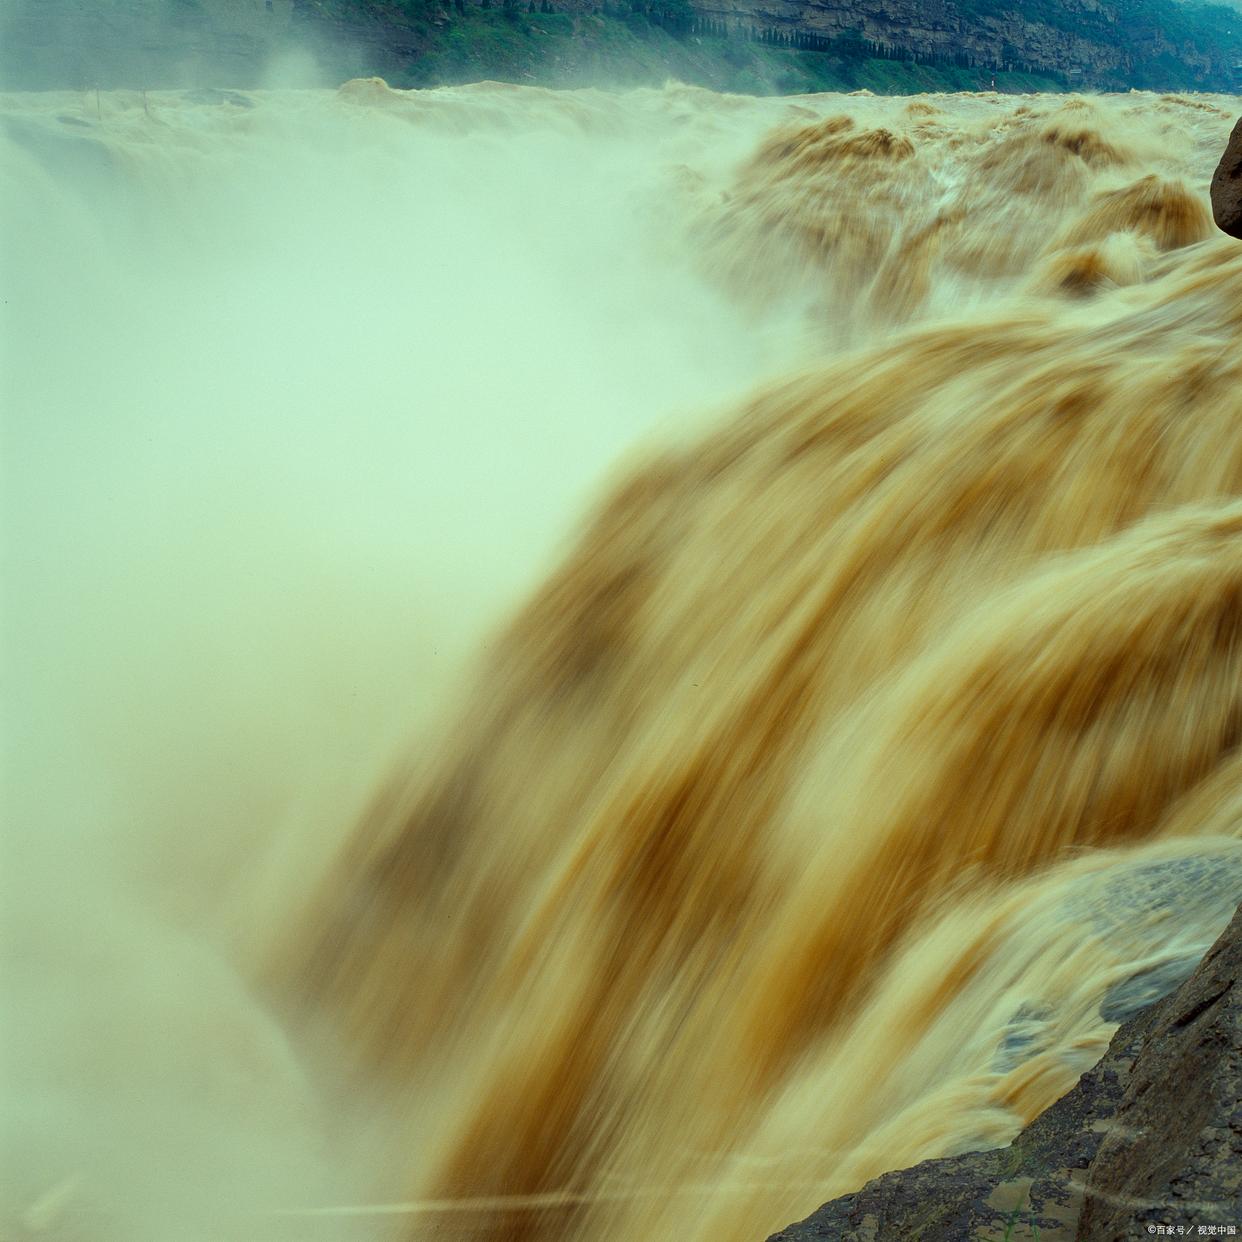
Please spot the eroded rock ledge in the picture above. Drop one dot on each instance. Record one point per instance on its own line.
(1152, 1136)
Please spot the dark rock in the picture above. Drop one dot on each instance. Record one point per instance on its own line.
(1227, 186)
(1153, 1132)
(1174, 1153)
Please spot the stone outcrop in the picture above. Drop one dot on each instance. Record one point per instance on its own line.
(1227, 186)
(1149, 1139)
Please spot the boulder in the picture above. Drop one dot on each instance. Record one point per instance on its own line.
(1227, 186)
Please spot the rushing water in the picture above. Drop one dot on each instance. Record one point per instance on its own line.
(866, 746)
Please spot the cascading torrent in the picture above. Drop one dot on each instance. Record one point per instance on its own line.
(432, 861)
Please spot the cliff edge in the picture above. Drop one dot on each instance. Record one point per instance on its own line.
(1148, 1143)
(751, 46)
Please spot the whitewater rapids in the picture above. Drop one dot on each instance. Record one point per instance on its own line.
(596, 667)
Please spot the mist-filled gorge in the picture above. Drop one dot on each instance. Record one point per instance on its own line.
(598, 666)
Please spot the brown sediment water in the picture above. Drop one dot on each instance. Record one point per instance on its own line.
(606, 666)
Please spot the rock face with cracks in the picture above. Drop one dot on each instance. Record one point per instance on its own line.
(1151, 1137)
(1227, 186)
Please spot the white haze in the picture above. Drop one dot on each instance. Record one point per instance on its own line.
(297, 399)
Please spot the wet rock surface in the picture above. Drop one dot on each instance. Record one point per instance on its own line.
(1173, 1155)
(1227, 186)
(1150, 1139)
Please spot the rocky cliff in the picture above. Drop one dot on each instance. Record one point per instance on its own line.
(1108, 44)
(1095, 44)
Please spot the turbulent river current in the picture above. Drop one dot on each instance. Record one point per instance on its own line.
(598, 667)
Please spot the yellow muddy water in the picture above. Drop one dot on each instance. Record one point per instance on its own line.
(601, 667)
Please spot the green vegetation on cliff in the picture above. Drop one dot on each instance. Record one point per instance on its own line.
(1151, 44)
(632, 47)
(822, 45)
